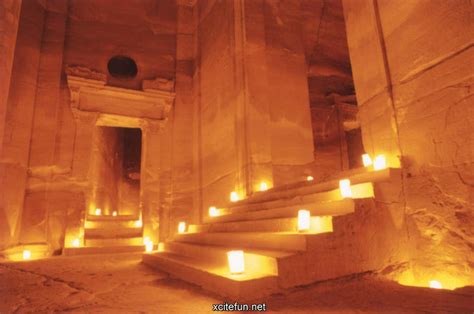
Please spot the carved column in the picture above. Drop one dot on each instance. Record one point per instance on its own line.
(150, 201)
(9, 20)
(85, 123)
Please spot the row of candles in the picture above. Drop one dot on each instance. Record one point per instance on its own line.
(236, 257)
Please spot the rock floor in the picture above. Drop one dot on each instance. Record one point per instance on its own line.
(121, 284)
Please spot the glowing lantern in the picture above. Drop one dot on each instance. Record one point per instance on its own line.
(380, 162)
(345, 188)
(236, 262)
(26, 254)
(161, 247)
(76, 242)
(149, 246)
(366, 160)
(146, 240)
(114, 213)
(182, 227)
(309, 178)
(304, 217)
(138, 223)
(98, 211)
(234, 197)
(213, 212)
(263, 186)
(434, 284)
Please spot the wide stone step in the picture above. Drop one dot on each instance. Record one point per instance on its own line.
(334, 208)
(291, 242)
(207, 275)
(359, 191)
(111, 224)
(135, 241)
(255, 260)
(312, 187)
(103, 250)
(111, 218)
(110, 233)
(318, 224)
(335, 176)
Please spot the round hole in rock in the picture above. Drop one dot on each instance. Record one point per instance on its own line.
(122, 67)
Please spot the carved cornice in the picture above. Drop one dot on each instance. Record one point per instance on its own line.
(116, 106)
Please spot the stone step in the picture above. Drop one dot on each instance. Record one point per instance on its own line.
(111, 218)
(110, 224)
(255, 260)
(110, 233)
(304, 182)
(312, 187)
(318, 224)
(362, 190)
(290, 209)
(86, 250)
(246, 286)
(136, 241)
(37, 251)
(283, 241)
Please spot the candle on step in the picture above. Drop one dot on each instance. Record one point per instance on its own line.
(380, 162)
(309, 178)
(234, 197)
(236, 262)
(98, 211)
(76, 242)
(213, 211)
(434, 284)
(161, 247)
(263, 186)
(149, 246)
(114, 213)
(304, 217)
(366, 160)
(26, 254)
(345, 188)
(182, 227)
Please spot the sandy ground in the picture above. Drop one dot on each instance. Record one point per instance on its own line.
(120, 284)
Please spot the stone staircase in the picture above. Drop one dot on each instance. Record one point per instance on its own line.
(276, 255)
(109, 234)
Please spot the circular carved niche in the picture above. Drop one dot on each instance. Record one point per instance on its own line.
(122, 67)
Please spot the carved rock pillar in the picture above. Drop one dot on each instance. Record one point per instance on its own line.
(150, 178)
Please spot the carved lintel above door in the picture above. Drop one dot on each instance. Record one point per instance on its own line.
(89, 93)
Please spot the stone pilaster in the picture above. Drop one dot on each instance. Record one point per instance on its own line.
(9, 20)
(150, 200)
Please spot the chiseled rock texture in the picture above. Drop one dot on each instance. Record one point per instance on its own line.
(413, 67)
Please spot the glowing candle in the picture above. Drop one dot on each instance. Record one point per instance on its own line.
(76, 242)
(309, 178)
(434, 284)
(236, 262)
(304, 217)
(98, 211)
(263, 186)
(380, 162)
(138, 223)
(182, 227)
(213, 212)
(234, 197)
(149, 246)
(114, 213)
(345, 188)
(26, 254)
(161, 247)
(366, 160)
